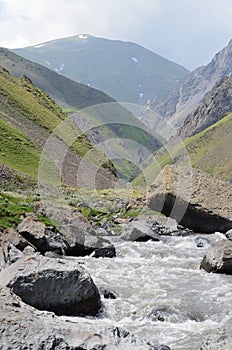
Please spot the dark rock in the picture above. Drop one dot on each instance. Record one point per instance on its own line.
(229, 234)
(120, 333)
(106, 251)
(48, 284)
(107, 294)
(202, 242)
(41, 237)
(158, 315)
(76, 234)
(218, 257)
(171, 230)
(139, 231)
(55, 343)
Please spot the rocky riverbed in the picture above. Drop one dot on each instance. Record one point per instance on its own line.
(136, 285)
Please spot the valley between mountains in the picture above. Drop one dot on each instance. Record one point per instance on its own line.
(115, 198)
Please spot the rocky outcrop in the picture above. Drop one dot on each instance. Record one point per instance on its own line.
(215, 106)
(195, 199)
(75, 236)
(60, 286)
(195, 87)
(218, 257)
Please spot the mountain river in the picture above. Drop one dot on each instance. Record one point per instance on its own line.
(163, 296)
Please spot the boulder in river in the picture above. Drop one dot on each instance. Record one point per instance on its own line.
(139, 231)
(218, 257)
(53, 285)
(24, 327)
(195, 199)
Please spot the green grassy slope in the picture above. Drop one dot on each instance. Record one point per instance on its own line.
(27, 117)
(209, 150)
(72, 96)
(124, 70)
(129, 142)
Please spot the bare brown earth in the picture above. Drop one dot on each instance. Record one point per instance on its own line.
(195, 199)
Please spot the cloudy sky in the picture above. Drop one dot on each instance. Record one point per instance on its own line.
(189, 32)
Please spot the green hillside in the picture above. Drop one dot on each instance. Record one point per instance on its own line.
(117, 122)
(124, 70)
(27, 117)
(209, 150)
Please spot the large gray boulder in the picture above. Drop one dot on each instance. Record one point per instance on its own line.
(40, 236)
(139, 231)
(218, 257)
(193, 198)
(61, 286)
(76, 234)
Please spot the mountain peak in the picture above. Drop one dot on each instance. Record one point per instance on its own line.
(126, 71)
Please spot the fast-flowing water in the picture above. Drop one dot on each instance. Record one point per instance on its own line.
(163, 296)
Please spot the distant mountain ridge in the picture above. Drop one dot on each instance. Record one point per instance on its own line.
(124, 70)
(62, 90)
(194, 88)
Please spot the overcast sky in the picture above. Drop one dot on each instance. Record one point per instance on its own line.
(188, 32)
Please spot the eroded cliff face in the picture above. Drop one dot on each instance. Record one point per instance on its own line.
(195, 199)
(216, 105)
(195, 87)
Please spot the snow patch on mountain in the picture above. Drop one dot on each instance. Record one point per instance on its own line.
(82, 36)
(38, 46)
(135, 59)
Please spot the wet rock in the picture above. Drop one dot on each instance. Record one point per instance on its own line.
(193, 198)
(53, 285)
(202, 242)
(55, 343)
(91, 244)
(157, 315)
(139, 231)
(171, 230)
(107, 294)
(104, 250)
(229, 234)
(218, 257)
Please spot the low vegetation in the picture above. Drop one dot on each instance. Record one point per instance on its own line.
(208, 150)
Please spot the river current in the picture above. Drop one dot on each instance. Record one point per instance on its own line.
(162, 295)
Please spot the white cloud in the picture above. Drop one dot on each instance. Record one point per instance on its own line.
(186, 32)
